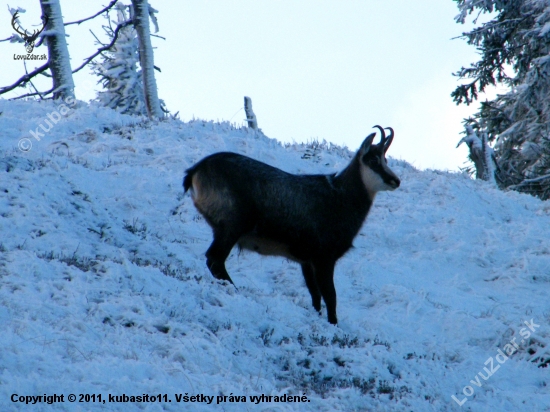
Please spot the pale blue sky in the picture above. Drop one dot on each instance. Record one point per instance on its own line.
(315, 69)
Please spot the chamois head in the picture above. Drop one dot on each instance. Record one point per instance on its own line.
(375, 173)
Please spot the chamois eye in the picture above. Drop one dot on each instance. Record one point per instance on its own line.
(374, 161)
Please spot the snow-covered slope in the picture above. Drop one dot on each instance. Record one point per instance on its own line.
(104, 288)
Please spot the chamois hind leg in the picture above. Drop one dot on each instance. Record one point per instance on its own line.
(311, 283)
(218, 252)
(324, 273)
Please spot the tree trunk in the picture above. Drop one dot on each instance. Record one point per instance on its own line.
(141, 23)
(481, 155)
(250, 116)
(58, 54)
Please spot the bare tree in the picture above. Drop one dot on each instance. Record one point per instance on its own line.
(58, 54)
(142, 12)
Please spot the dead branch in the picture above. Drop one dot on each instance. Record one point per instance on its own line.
(40, 41)
(37, 93)
(25, 79)
(97, 38)
(529, 181)
(30, 80)
(106, 47)
(8, 39)
(110, 6)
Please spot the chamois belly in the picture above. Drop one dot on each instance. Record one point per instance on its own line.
(264, 246)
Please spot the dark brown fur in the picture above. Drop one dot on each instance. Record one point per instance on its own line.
(310, 219)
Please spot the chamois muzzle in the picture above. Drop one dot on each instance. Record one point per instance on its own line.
(394, 183)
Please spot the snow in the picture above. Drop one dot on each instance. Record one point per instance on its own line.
(104, 287)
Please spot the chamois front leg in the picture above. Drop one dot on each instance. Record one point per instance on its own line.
(218, 252)
(324, 273)
(311, 283)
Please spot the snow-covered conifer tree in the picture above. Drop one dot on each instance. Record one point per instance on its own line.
(121, 80)
(515, 51)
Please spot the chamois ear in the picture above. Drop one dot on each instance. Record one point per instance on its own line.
(365, 146)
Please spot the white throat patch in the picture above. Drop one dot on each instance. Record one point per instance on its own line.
(373, 181)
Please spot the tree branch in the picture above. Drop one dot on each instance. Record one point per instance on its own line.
(106, 47)
(111, 4)
(25, 79)
(96, 38)
(528, 181)
(30, 81)
(40, 41)
(34, 94)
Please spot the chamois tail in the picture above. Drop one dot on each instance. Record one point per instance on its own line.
(187, 179)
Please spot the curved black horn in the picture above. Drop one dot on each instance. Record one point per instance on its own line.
(383, 138)
(389, 139)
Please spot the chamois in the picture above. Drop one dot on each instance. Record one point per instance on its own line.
(310, 219)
